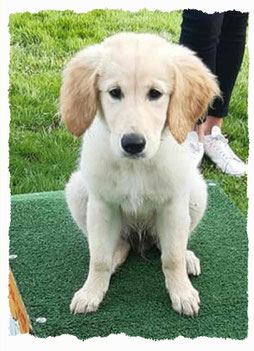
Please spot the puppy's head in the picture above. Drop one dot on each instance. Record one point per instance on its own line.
(138, 84)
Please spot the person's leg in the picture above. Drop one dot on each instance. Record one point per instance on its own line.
(200, 33)
(229, 57)
(211, 121)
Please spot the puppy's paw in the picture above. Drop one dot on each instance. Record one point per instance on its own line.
(85, 301)
(186, 302)
(192, 263)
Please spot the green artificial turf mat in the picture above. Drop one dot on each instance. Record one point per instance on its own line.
(52, 262)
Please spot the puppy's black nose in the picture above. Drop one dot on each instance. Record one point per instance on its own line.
(133, 143)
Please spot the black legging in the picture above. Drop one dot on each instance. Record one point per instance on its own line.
(219, 40)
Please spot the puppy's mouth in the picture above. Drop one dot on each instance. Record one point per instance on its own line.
(138, 156)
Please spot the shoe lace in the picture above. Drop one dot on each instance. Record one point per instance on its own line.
(224, 148)
(225, 151)
(195, 147)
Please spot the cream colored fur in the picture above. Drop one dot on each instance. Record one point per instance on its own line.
(161, 192)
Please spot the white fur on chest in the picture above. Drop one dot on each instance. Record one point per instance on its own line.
(138, 186)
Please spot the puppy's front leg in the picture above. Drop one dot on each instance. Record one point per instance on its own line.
(173, 225)
(104, 227)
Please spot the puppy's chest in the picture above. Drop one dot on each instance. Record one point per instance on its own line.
(137, 191)
(137, 204)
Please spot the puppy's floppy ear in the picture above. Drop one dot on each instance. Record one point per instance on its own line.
(194, 88)
(79, 94)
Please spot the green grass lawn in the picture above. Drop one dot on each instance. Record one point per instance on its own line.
(42, 153)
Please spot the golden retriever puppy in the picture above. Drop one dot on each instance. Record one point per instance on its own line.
(135, 98)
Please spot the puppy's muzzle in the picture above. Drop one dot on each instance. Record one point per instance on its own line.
(133, 144)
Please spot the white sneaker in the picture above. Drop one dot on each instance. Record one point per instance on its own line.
(195, 148)
(217, 149)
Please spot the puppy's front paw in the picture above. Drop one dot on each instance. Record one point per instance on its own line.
(85, 301)
(186, 301)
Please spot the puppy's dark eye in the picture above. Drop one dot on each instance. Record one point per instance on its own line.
(154, 94)
(116, 93)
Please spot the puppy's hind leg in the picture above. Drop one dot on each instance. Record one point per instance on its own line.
(198, 201)
(76, 196)
(122, 250)
(197, 206)
(192, 263)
